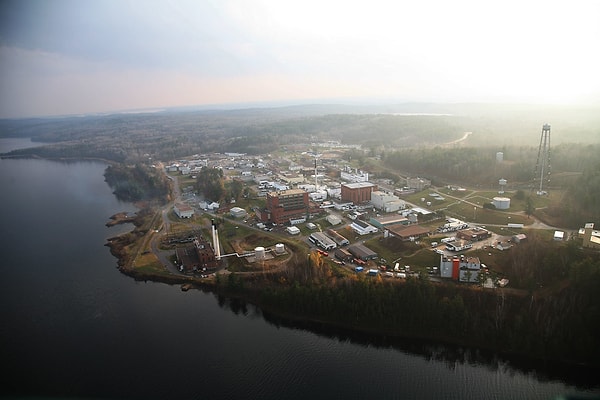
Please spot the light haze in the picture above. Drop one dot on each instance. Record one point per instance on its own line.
(74, 57)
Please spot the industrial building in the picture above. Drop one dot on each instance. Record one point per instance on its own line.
(386, 202)
(322, 240)
(198, 257)
(183, 210)
(283, 206)
(591, 237)
(343, 254)
(363, 228)
(388, 220)
(358, 192)
(333, 219)
(337, 238)
(362, 252)
(410, 232)
(475, 234)
(461, 269)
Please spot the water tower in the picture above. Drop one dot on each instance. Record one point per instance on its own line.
(502, 183)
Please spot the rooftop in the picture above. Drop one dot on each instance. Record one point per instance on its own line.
(358, 185)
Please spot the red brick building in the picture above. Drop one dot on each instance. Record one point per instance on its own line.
(358, 192)
(285, 205)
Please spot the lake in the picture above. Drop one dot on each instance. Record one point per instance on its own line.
(74, 326)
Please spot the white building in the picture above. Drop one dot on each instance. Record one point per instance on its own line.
(183, 210)
(357, 176)
(238, 212)
(363, 228)
(386, 202)
(293, 230)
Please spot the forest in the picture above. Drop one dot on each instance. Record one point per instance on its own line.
(542, 324)
(137, 182)
(173, 134)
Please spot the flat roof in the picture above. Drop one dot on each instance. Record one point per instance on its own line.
(407, 231)
(358, 185)
(286, 192)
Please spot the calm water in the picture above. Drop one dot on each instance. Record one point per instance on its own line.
(73, 326)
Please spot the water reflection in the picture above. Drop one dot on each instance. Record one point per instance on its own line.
(582, 377)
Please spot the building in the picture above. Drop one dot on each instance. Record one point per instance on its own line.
(410, 232)
(322, 240)
(358, 192)
(388, 220)
(417, 184)
(293, 230)
(285, 205)
(475, 234)
(461, 269)
(237, 212)
(521, 237)
(591, 237)
(333, 219)
(337, 238)
(386, 202)
(362, 252)
(183, 210)
(343, 254)
(358, 176)
(559, 236)
(458, 245)
(199, 257)
(362, 228)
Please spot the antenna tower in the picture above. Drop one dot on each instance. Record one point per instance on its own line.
(542, 166)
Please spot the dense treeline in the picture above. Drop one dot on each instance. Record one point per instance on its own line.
(138, 182)
(546, 327)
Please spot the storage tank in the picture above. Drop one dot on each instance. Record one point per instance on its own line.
(259, 253)
(279, 248)
(502, 182)
(501, 203)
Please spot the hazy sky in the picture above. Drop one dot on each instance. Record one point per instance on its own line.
(73, 56)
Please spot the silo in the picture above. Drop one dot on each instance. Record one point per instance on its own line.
(259, 253)
(501, 203)
(279, 248)
(499, 156)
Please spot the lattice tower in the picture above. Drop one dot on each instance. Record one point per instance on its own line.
(542, 165)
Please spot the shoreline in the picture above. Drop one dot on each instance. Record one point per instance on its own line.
(252, 294)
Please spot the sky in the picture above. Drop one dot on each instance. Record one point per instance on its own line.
(63, 57)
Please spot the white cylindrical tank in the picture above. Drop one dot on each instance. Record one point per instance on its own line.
(501, 203)
(259, 253)
(499, 156)
(279, 248)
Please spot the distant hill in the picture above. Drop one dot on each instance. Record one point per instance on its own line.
(173, 133)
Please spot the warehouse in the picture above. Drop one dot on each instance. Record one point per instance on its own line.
(322, 240)
(362, 252)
